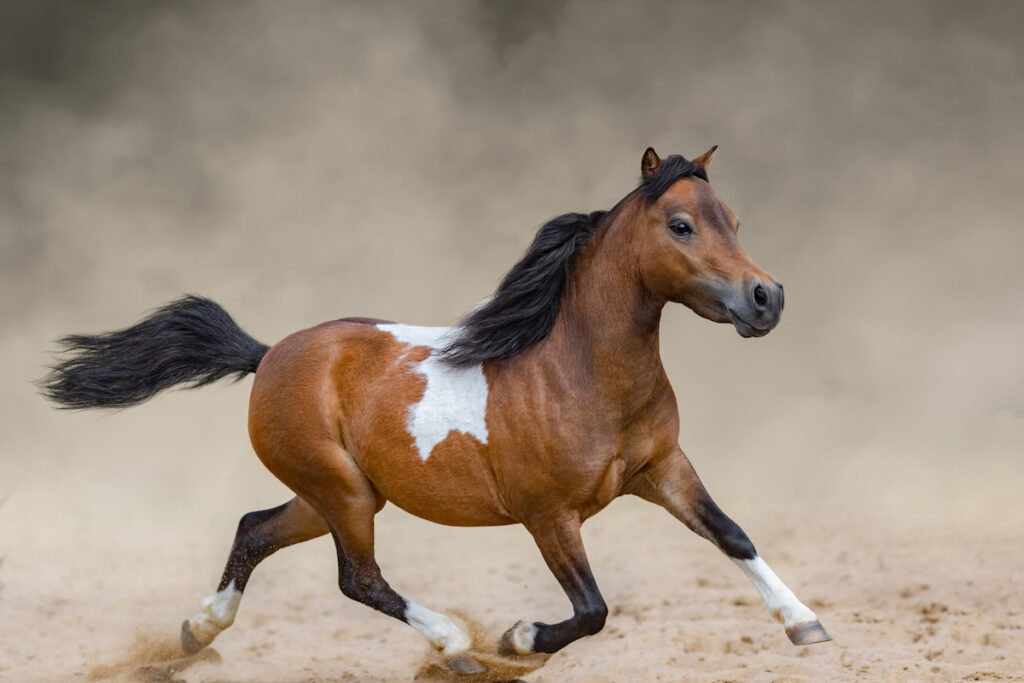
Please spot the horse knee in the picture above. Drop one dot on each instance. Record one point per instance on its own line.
(735, 543)
(729, 537)
(592, 620)
(724, 532)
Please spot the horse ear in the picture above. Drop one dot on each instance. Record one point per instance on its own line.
(651, 162)
(704, 159)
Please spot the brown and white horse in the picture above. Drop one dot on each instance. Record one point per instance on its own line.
(540, 408)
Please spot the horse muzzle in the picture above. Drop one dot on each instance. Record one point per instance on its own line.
(757, 308)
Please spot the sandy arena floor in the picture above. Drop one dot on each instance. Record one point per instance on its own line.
(902, 605)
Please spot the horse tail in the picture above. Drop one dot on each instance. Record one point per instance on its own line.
(190, 342)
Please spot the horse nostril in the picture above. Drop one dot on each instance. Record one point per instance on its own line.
(760, 296)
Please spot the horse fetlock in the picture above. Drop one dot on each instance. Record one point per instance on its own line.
(203, 624)
(592, 622)
(438, 629)
(780, 600)
(792, 612)
(518, 640)
(217, 613)
(802, 625)
(220, 609)
(451, 639)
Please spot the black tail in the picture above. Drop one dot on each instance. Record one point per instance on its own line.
(191, 341)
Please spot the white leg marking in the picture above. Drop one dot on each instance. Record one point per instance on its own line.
(437, 628)
(781, 601)
(455, 398)
(523, 637)
(218, 612)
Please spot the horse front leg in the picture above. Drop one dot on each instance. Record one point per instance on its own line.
(673, 484)
(561, 546)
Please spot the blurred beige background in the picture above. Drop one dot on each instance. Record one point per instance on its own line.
(305, 161)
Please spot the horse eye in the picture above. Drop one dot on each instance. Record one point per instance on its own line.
(680, 228)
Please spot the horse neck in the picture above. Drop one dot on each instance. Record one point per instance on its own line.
(608, 321)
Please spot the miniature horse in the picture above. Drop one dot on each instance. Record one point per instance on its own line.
(540, 408)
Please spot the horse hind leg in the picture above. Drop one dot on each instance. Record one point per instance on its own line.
(259, 535)
(333, 483)
(360, 579)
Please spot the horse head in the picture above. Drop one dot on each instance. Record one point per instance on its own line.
(687, 249)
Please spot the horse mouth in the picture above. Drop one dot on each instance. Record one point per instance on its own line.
(745, 329)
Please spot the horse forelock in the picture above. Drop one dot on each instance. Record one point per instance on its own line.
(673, 169)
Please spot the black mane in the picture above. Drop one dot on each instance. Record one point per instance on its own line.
(523, 309)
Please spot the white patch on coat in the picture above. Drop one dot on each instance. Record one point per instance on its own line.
(218, 612)
(455, 398)
(781, 601)
(437, 628)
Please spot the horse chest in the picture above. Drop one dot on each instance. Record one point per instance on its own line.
(455, 445)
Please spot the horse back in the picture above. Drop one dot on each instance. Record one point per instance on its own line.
(414, 427)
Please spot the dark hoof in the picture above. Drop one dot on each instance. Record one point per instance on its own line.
(465, 665)
(188, 641)
(807, 633)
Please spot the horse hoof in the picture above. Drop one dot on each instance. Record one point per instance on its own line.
(517, 641)
(465, 665)
(807, 633)
(188, 641)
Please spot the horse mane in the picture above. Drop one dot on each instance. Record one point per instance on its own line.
(524, 307)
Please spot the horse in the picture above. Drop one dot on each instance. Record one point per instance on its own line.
(539, 408)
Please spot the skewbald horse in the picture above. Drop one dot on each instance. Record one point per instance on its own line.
(540, 408)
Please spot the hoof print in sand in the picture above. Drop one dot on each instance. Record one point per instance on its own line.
(164, 672)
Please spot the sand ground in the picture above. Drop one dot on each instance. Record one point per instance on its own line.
(903, 604)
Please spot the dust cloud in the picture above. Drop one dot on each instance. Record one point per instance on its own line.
(305, 161)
